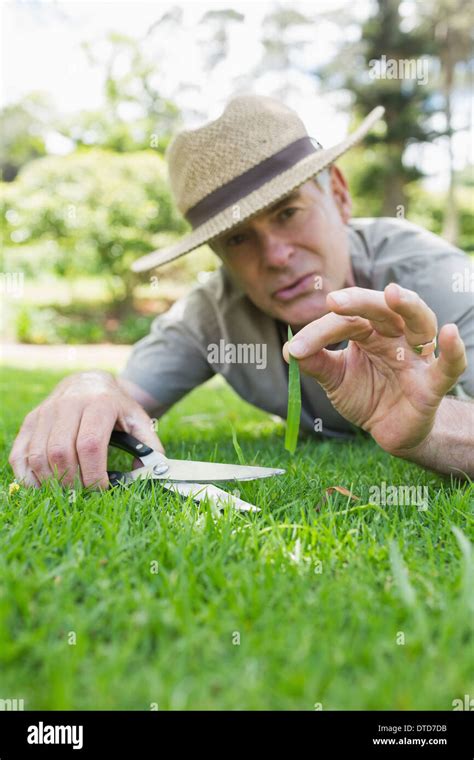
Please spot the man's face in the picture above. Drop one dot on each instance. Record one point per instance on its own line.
(288, 258)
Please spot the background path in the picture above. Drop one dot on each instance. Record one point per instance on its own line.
(100, 355)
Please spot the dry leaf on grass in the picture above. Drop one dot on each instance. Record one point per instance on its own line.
(331, 490)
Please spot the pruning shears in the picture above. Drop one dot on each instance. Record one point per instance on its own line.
(183, 476)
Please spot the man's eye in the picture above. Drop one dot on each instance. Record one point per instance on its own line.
(235, 240)
(287, 213)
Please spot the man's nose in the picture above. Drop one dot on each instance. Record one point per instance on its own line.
(275, 251)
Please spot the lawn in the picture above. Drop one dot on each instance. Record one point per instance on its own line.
(138, 599)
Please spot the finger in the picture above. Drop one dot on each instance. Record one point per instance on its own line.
(61, 446)
(18, 458)
(37, 449)
(327, 367)
(451, 361)
(421, 325)
(140, 426)
(369, 304)
(332, 328)
(143, 427)
(97, 422)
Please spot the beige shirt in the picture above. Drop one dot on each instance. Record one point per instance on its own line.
(217, 329)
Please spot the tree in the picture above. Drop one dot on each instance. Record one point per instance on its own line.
(450, 23)
(387, 52)
(23, 133)
(91, 212)
(436, 36)
(217, 46)
(135, 115)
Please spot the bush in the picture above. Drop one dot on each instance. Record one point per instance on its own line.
(52, 326)
(93, 212)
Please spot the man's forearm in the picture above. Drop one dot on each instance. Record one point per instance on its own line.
(449, 447)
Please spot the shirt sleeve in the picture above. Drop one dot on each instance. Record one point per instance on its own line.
(172, 359)
(440, 273)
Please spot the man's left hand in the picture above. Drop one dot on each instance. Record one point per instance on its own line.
(379, 382)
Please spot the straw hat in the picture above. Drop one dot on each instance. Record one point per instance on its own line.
(232, 168)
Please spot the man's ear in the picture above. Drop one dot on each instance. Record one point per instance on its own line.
(341, 194)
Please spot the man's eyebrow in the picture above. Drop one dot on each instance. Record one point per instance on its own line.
(295, 195)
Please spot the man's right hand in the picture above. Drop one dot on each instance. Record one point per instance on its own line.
(69, 432)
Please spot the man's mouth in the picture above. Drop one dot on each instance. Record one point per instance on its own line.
(295, 288)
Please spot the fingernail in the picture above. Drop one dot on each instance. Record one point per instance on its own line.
(297, 347)
(342, 299)
(402, 294)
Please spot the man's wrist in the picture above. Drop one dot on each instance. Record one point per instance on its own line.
(447, 448)
(419, 452)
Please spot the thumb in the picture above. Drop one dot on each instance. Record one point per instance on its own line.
(144, 429)
(451, 361)
(327, 367)
(141, 426)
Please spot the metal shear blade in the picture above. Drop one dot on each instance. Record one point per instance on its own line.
(186, 477)
(219, 497)
(183, 471)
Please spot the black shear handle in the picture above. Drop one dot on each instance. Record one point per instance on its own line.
(131, 445)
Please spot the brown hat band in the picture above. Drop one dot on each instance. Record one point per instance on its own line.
(250, 180)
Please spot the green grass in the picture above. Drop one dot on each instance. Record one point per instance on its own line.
(318, 591)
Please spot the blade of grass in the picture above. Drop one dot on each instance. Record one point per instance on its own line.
(237, 449)
(294, 403)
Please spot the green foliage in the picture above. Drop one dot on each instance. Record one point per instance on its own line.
(131, 86)
(99, 210)
(431, 37)
(74, 326)
(22, 137)
(365, 173)
(428, 209)
(38, 326)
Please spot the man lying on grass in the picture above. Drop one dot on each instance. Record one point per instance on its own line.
(365, 297)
